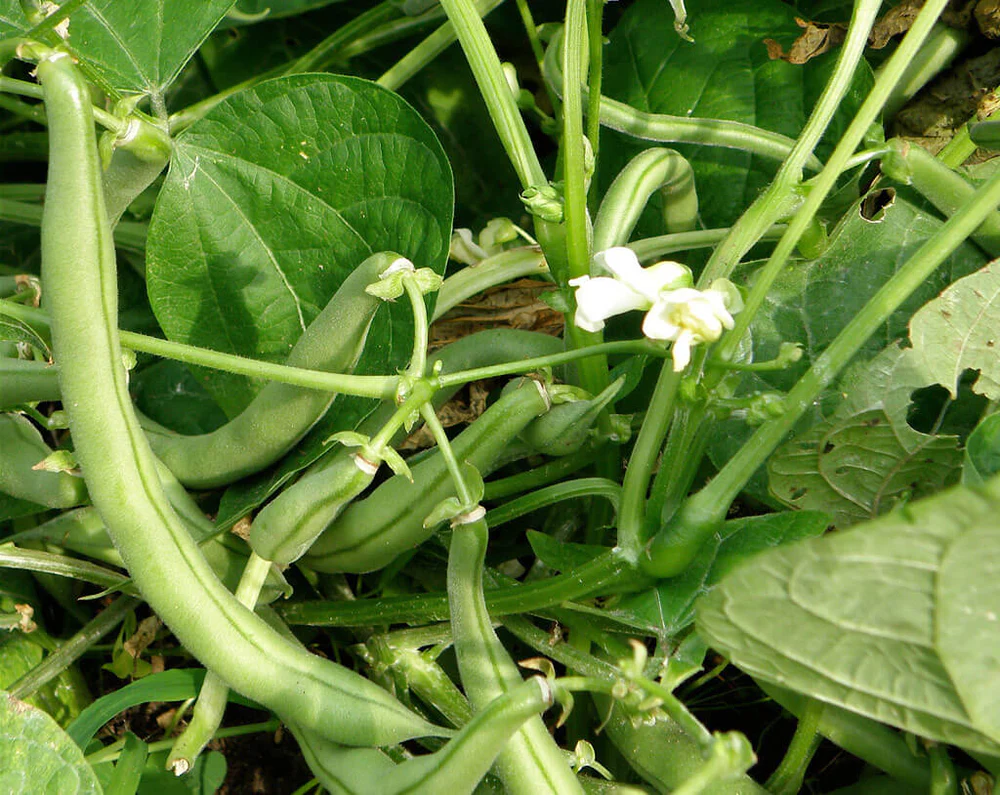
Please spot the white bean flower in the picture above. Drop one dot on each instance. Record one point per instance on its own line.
(675, 311)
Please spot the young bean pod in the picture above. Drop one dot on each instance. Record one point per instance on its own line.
(456, 769)
(78, 264)
(531, 763)
(23, 448)
(286, 527)
(370, 533)
(281, 414)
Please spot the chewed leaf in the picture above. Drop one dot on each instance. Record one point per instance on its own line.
(860, 467)
(866, 459)
(895, 619)
(959, 331)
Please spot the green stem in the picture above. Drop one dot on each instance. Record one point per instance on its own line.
(640, 347)
(787, 779)
(605, 573)
(12, 557)
(444, 445)
(824, 183)
(653, 247)
(382, 387)
(429, 49)
(574, 57)
(942, 46)
(595, 46)
(327, 51)
(10, 85)
(500, 103)
(110, 753)
(631, 516)
(772, 204)
(549, 472)
(676, 544)
(569, 490)
(71, 650)
(536, 45)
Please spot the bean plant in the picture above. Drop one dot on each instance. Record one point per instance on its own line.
(712, 509)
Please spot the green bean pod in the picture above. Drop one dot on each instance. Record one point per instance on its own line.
(27, 381)
(456, 769)
(567, 427)
(373, 531)
(281, 414)
(285, 529)
(78, 264)
(531, 763)
(22, 448)
(287, 526)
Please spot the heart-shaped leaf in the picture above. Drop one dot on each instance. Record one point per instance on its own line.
(273, 198)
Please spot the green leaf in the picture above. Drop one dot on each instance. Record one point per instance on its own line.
(133, 47)
(63, 698)
(982, 452)
(894, 619)
(273, 198)
(37, 756)
(811, 302)
(562, 555)
(128, 769)
(670, 605)
(724, 74)
(174, 685)
(170, 394)
(958, 331)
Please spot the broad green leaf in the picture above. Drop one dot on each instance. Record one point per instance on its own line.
(273, 198)
(982, 452)
(812, 301)
(670, 605)
(37, 756)
(63, 698)
(861, 466)
(958, 331)
(128, 768)
(561, 555)
(132, 47)
(170, 394)
(894, 619)
(725, 73)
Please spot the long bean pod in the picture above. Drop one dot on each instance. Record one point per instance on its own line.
(26, 381)
(280, 415)
(373, 531)
(532, 762)
(78, 265)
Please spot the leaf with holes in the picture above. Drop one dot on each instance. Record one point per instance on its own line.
(273, 198)
(960, 330)
(895, 619)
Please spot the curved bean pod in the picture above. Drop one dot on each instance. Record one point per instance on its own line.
(456, 769)
(281, 414)
(531, 763)
(370, 533)
(23, 447)
(286, 527)
(78, 264)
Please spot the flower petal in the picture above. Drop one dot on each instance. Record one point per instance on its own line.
(669, 275)
(681, 350)
(602, 297)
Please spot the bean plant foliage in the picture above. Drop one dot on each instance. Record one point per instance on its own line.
(526, 397)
